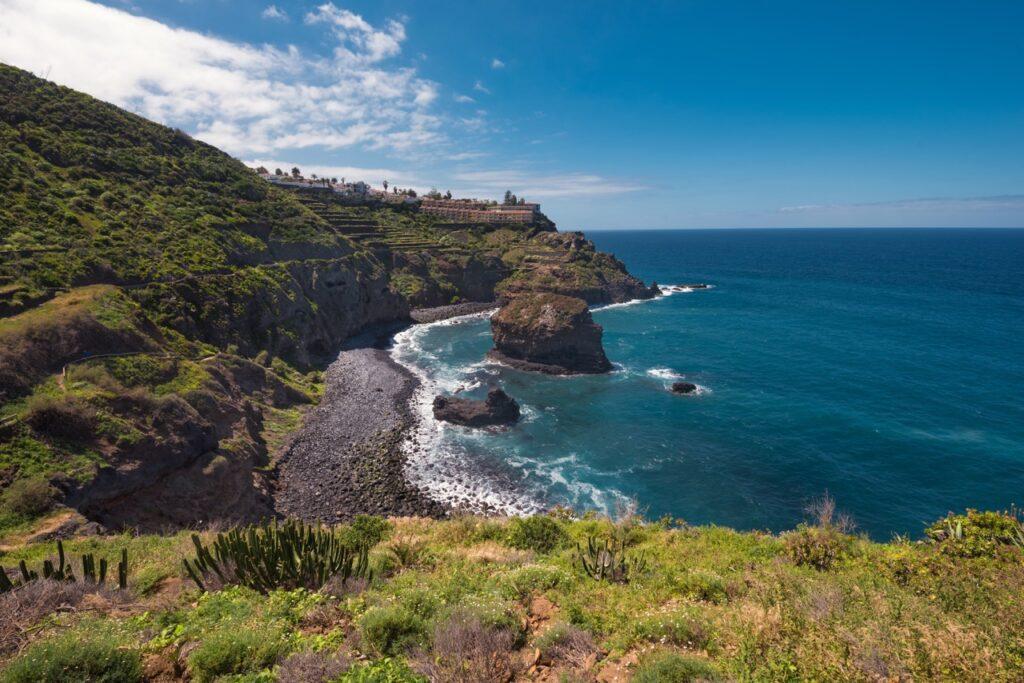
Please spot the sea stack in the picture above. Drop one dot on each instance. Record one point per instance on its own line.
(549, 333)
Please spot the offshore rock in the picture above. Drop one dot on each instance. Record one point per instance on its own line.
(549, 333)
(497, 409)
(683, 387)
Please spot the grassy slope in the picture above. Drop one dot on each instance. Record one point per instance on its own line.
(92, 192)
(737, 604)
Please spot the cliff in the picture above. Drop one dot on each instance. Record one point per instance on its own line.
(121, 236)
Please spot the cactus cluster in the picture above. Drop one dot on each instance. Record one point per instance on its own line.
(63, 571)
(608, 561)
(273, 556)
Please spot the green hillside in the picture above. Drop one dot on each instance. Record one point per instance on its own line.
(94, 193)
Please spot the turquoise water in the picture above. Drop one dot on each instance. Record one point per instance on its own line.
(883, 366)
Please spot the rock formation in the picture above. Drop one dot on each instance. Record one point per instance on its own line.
(683, 387)
(548, 333)
(497, 409)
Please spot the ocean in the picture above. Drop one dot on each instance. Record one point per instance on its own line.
(885, 367)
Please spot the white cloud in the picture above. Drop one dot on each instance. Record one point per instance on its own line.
(494, 183)
(358, 41)
(464, 99)
(243, 98)
(274, 12)
(480, 87)
(466, 156)
(497, 64)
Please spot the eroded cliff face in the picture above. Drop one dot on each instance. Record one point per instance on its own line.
(192, 458)
(567, 263)
(298, 310)
(167, 432)
(548, 333)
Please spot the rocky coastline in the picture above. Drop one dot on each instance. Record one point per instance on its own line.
(347, 458)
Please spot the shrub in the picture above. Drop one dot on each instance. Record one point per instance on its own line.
(705, 586)
(540, 533)
(235, 650)
(68, 417)
(407, 552)
(312, 667)
(391, 630)
(23, 608)
(63, 570)
(279, 367)
(820, 547)
(674, 668)
(366, 531)
(678, 628)
(75, 656)
(519, 583)
(30, 497)
(565, 643)
(977, 534)
(465, 650)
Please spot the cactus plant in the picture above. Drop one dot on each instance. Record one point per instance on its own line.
(609, 561)
(62, 571)
(266, 557)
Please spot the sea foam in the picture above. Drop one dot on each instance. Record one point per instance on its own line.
(441, 471)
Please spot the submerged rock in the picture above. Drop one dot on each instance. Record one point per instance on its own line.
(683, 387)
(548, 333)
(497, 409)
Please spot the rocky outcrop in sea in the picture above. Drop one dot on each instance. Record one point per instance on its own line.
(497, 409)
(549, 333)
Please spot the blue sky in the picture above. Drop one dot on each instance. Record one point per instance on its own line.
(612, 114)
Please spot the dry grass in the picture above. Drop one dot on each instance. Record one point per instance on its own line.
(312, 667)
(23, 608)
(490, 552)
(467, 651)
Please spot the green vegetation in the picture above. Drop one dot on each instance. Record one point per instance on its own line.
(471, 600)
(539, 533)
(93, 191)
(674, 668)
(609, 561)
(978, 534)
(76, 655)
(278, 556)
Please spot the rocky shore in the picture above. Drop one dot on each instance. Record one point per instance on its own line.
(346, 460)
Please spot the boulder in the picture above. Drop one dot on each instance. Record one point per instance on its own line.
(497, 409)
(550, 333)
(683, 387)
